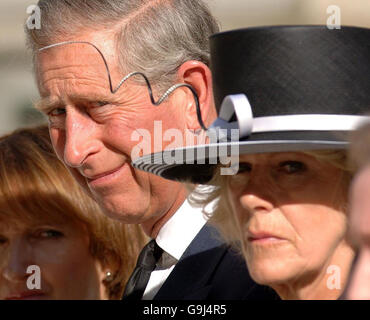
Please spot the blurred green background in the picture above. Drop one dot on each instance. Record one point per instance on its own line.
(17, 87)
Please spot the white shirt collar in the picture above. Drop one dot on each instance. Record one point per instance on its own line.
(180, 230)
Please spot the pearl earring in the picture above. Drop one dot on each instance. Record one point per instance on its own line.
(108, 276)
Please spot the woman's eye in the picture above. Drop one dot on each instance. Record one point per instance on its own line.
(57, 112)
(2, 240)
(244, 167)
(241, 178)
(50, 234)
(292, 166)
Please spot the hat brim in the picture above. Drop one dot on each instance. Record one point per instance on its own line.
(196, 164)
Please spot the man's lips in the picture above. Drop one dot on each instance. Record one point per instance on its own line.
(102, 175)
(28, 294)
(106, 179)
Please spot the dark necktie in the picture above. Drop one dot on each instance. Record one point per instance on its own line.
(146, 263)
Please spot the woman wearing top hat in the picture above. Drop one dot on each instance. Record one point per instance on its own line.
(293, 93)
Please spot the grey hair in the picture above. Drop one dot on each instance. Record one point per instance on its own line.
(152, 36)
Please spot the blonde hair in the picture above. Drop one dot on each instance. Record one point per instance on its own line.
(36, 187)
(215, 192)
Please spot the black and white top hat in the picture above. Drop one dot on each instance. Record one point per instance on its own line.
(284, 88)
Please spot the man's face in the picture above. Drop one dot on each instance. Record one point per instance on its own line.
(91, 128)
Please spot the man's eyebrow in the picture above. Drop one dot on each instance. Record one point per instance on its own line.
(46, 105)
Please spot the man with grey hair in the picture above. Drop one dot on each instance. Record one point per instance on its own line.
(81, 53)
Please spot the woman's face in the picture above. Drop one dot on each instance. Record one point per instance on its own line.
(288, 206)
(67, 269)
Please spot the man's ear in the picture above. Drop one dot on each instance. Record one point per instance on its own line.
(198, 75)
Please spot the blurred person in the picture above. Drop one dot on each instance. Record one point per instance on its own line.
(359, 222)
(81, 54)
(47, 220)
(293, 103)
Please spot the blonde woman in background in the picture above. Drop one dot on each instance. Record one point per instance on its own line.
(48, 221)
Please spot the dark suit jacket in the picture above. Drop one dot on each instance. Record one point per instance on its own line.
(210, 270)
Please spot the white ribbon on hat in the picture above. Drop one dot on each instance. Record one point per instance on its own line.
(239, 104)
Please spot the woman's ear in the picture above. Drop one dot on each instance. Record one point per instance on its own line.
(109, 267)
(198, 75)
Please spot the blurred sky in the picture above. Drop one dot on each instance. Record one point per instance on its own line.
(17, 87)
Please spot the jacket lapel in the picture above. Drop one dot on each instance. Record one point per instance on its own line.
(190, 278)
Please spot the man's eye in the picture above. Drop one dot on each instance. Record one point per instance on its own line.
(292, 166)
(57, 112)
(98, 104)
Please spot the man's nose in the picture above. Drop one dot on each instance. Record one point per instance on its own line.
(14, 265)
(80, 138)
